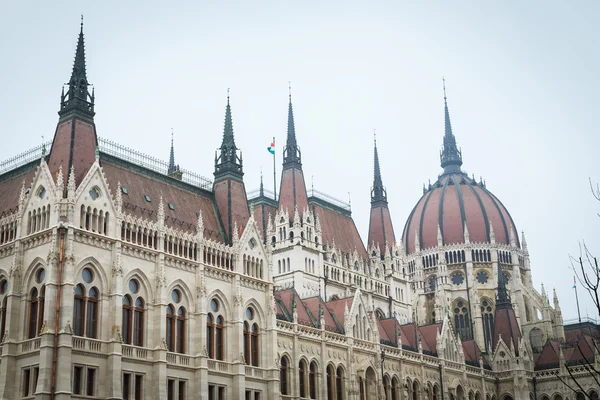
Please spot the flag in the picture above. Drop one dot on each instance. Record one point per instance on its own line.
(271, 148)
(574, 283)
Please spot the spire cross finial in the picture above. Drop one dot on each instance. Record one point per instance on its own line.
(444, 84)
(227, 95)
(171, 135)
(82, 21)
(375, 137)
(290, 90)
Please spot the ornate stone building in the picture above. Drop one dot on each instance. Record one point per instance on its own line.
(125, 277)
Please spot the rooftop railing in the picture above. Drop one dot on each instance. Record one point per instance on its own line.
(116, 150)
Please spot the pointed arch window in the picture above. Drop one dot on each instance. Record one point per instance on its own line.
(79, 311)
(215, 336)
(86, 305)
(181, 330)
(36, 304)
(462, 321)
(283, 376)
(302, 378)
(487, 316)
(127, 316)
(330, 383)
(312, 380)
(339, 383)
(170, 328)
(92, 313)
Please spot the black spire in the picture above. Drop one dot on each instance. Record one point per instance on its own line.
(378, 192)
(291, 152)
(262, 189)
(172, 167)
(450, 156)
(78, 98)
(228, 160)
(502, 297)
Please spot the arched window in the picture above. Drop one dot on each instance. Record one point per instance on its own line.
(436, 393)
(339, 383)
(86, 303)
(79, 310)
(487, 315)
(219, 338)
(247, 343)
(181, 330)
(330, 382)
(127, 317)
(302, 378)
(138, 322)
(133, 315)
(210, 334)
(395, 389)
(215, 337)
(3, 301)
(92, 313)
(36, 304)
(462, 322)
(312, 380)
(415, 391)
(283, 376)
(170, 328)
(254, 344)
(386, 387)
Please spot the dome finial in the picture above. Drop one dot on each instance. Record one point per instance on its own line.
(450, 156)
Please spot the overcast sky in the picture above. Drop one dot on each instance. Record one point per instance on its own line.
(522, 81)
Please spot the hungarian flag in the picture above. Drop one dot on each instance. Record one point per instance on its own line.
(271, 148)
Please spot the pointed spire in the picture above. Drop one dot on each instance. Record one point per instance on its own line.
(291, 151)
(450, 156)
(502, 297)
(492, 234)
(200, 224)
(466, 234)
(228, 139)
(556, 303)
(60, 183)
(172, 167)
(119, 198)
(227, 160)
(262, 188)
(71, 185)
(523, 241)
(378, 192)
(78, 98)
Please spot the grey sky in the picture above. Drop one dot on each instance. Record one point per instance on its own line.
(521, 77)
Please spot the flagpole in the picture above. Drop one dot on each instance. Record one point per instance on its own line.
(576, 298)
(274, 174)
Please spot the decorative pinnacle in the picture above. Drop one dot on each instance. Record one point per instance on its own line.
(450, 156)
(378, 192)
(172, 167)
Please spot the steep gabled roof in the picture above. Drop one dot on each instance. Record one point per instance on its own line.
(10, 187)
(187, 200)
(339, 228)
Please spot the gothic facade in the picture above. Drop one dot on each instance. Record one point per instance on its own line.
(123, 277)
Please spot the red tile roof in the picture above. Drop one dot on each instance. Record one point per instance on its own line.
(379, 223)
(10, 187)
(339, 228)
(292, 191)
(73, 144)
(479, 208)
(505, 325)
(230, 189)
(187, 200)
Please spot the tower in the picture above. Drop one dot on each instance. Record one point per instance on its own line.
(292, 192)
(75, 141)
(229, 189)
(381, 230)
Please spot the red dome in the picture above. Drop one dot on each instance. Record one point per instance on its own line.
(452, 200)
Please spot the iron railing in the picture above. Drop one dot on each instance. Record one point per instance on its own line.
(114, 149)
